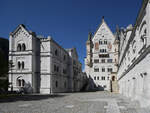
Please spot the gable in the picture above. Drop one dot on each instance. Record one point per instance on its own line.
(103, 32)
(21, 36)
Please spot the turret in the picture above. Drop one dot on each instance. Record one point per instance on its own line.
(89, 49)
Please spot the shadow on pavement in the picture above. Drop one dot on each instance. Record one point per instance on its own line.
(32, 97)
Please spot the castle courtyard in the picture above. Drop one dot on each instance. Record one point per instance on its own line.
(83, 102)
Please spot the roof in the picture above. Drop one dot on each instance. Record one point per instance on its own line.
(102, 21)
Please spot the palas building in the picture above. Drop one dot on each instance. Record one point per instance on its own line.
(134, 58)
(41, 65)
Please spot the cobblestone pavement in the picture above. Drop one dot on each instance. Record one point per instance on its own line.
(89, 102)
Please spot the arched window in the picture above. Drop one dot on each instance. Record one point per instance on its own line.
(134, 46)
(22, 65)
(56, 52)
(23, 47)
(23, 82)
(19, 65)
(19, 82)
(113, 78)
(105, 41)
(19, 47)
(100, 42)
(56, 84)
(64, 84)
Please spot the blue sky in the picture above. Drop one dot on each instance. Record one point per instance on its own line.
(67, 21)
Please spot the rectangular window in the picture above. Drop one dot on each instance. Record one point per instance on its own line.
(109, 69)
(64, 71)
(55, 68)
(103, 60)
(96, 70)
(97, 78)
(103, 69)
(96, 60)
(109, 60)
(103, 55)
(102, 78)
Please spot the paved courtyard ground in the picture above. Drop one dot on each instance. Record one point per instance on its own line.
(89, 102)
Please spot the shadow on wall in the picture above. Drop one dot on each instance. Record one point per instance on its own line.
(90, 86)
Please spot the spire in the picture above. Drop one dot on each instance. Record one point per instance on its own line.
(117, 32)
(89, 36)
(117, 28)
(102, 18)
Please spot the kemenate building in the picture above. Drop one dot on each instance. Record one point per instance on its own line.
(102, 57)
(134, 57)
(41, 65)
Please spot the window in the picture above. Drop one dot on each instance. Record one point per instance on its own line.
(96, 69)
(94, 78)
(96, 60)
(103, 69)
(19, 47)
(23, 82)
(102, 78)
(56, 84)
(19, 82)
(23, 47)
(104, 86)
(109, 60)
(105, 41)
(103, 60)
(134, 46)
(19, 65)
(64, 57)
(55, 68)
(103, 55)
(64, 71)
(97, 78)
(107, 78)
(103, 50)
(56, 52)
(100, 42)
(64, 84)
(145, 31)
(22, 65)
(113, 78)
(109, 69)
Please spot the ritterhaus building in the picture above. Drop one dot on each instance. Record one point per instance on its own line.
(41, 65)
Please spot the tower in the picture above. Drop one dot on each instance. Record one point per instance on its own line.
(89, 50)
